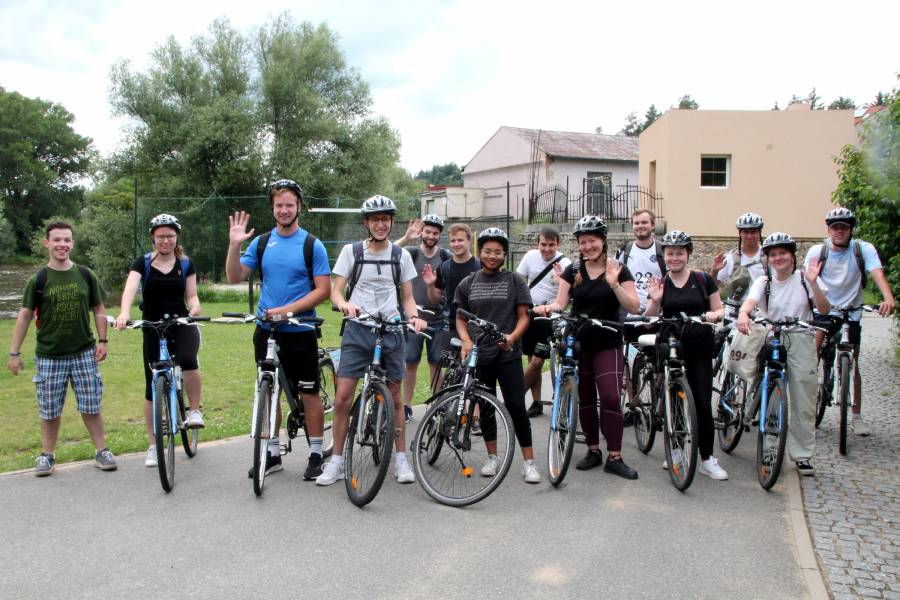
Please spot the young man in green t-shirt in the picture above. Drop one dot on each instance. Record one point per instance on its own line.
(61, 296)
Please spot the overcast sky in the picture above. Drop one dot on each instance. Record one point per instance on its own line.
(448, 73)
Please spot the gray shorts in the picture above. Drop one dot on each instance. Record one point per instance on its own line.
(414, 344)
(357, 346)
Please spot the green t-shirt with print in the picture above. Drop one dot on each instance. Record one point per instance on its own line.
(65, 311)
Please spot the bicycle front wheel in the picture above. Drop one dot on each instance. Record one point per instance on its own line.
(732, 394)
(563, 424)
(327, 390)
(190, 436)
(644, 421)
(772, 435)
(823, 396)
(680, 434)
(164, 432)
(367, 452)
(263, 412)
(844, 398)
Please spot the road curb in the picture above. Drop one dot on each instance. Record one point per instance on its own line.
(806, 553)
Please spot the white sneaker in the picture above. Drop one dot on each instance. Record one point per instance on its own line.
(195, 420)
(859, 426)
(403, 472)
(331, 472)
(531, 473)
(711, 468)
(489, 469)
(150, 459)
(676, 455)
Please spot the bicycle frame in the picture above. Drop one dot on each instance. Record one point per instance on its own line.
(165, 365)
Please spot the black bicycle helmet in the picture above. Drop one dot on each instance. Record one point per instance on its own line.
(286, 184)
(494, 234)
(590, 224)
(378, 205)
(164, 220)
(779, 240)
(678, 238)
(840, 215)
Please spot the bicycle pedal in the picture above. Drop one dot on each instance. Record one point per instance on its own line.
(284, 449)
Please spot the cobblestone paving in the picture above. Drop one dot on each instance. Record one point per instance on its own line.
(853, 502)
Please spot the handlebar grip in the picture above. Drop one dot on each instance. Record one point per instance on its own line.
(310, 320)
(234, 314)
(465, 314)
(199, 318)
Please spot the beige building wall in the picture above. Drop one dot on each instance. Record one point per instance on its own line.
(781, 165)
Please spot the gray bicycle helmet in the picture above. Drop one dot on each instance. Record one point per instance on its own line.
(433, 220)
(164, 220)
(379, 205)
(286, 184)
(749, 220)
(494, 234)
(840, 215)
(779, 240)
(590, 224)
(678, 238)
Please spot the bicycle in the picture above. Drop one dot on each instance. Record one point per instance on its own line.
(664, 401)
(770, 400)
(370, 436)
(270, 381)
(836, 356)
(168, 400)
(564, 411)
(448, 425)
(448, 368)
(729, 392)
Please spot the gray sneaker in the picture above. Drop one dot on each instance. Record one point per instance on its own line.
(44, 465)
(105, 461)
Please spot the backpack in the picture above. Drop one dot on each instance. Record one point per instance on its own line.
(740, 279)
(625, 252)
(857, 252)
(359, 260)
(444, 254)
(805, 288)
(41, 282)
(182, 265)
(308, 245)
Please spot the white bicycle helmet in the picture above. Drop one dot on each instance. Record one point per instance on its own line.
(433, 220)
(379, 205)
(590, 224)
(164, 220)
(749, 220)
(840, 215)
(779, 240)
(678, 238)
(494, 234)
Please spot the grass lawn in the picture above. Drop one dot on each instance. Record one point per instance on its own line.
(227, 366)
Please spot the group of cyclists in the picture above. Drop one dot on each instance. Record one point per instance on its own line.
(426, 284)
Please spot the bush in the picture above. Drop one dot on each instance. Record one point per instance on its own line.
(107, 234)
(7, 238)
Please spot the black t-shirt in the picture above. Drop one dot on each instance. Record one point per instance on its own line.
(495, 298)
(163, 293)
(594, 298)
(455, 272)
(690, 301)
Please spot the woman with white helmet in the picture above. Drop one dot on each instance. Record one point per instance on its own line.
(599, 287)
(169, 287)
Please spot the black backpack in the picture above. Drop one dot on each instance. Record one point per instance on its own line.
(857, 252)
(308, 245)
(625, 252)
(41, 282)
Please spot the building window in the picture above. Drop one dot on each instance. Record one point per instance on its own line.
(715, 171)
(598, 182)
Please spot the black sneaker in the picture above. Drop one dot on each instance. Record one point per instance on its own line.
(617, 466)
(594, 458)
(407, 413)
(313, 467)
(805, 469)
(273, 465)
(535, 410)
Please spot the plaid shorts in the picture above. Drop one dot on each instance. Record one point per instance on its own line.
(52, 377)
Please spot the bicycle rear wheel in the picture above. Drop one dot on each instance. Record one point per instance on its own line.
(644, 421)
(731, 394)
(327, 390)
(561, 440)
(190, 436)
(367, 452)
(772, 435)
(431, 439)
(460, 475)
(163, 430)
(263, 410)
(680, 435)
(844, 398)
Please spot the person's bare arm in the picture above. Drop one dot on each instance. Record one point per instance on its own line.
(237, 235)
(20, 329)
(886, 308)
(100, 321)
(309, 301)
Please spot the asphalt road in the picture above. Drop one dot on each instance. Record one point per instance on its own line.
(83, 533)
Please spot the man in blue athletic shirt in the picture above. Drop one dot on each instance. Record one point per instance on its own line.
(286, 288)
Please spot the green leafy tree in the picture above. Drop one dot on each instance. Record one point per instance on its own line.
(842, 103)
(870, 184)
(42, 163)
(688, 103)
(7, 238)
(650, 116)
(633, 127)
(449, 174)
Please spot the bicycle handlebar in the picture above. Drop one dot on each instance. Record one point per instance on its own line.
(789, 322)
(676, 320)
(275, 319)
(165, 321)
(576, 319)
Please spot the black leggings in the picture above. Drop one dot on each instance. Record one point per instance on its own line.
(512, 384)
(184, 344)
(698, 368)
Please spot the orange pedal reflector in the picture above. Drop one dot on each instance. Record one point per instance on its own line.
(467, 471)
(354, 482)
(680, 394)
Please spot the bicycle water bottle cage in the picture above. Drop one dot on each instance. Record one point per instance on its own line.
(542, 350)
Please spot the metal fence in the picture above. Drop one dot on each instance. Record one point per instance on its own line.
(552, 204)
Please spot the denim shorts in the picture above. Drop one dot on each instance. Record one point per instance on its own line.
(52, 375)
(357, 346)
(435, 345)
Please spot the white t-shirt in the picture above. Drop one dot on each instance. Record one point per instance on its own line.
(753, 264)
(375, 292)
(643, 264)
(531, 266)
(841, 274)
(788, 298)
